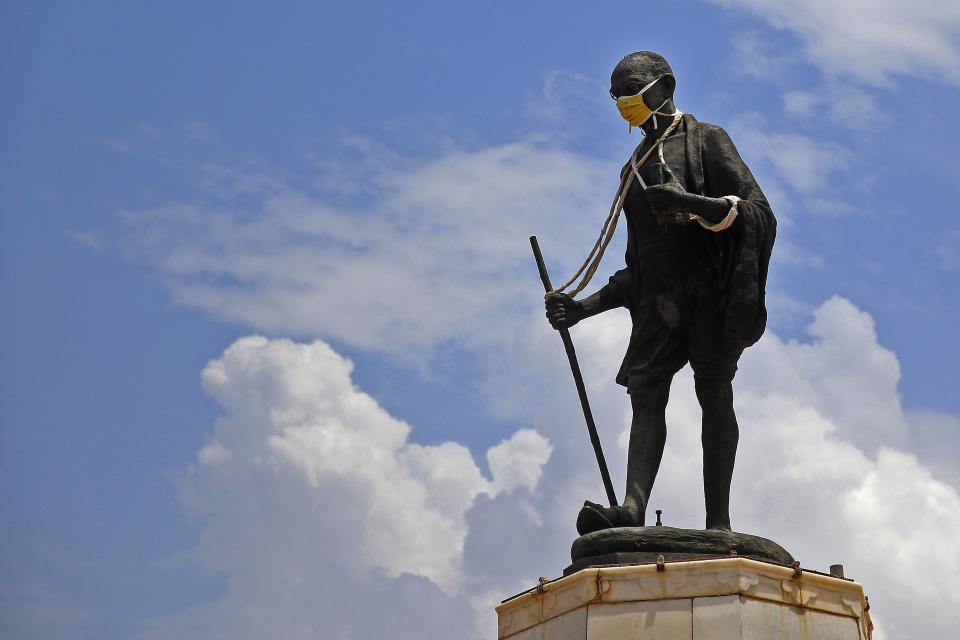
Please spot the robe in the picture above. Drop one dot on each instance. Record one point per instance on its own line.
(684, 283)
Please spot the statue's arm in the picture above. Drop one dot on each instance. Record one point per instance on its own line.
(564, 312)
(610, 296)
(713, 210)
(728, 183)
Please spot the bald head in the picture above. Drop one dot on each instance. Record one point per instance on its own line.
(638, 69)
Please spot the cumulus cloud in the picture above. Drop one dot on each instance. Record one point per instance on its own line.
(306, 485)
(518, 461)
(935, 438)
(326, 519)
(293, 413)
(870, 41)
(844, 374)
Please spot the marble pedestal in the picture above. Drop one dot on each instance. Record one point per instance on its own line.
(723, 599)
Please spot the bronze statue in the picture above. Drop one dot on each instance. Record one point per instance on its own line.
(699, 237)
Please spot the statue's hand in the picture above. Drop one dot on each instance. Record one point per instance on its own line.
(667, 201)
(563, 311)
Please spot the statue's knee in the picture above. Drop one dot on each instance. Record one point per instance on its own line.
(714, 371)
(649, 393)
(713, 388)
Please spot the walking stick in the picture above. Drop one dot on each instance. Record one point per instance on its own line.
(578, 379)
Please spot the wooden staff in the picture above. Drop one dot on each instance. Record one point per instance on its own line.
(578, 379)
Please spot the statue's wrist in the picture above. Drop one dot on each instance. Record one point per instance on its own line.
(712, 210)
(588, 307)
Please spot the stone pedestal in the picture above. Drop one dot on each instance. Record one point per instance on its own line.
(724, 599)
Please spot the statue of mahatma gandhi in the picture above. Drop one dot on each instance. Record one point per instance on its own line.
(699, 236)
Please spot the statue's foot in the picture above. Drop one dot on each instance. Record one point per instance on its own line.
(596, 517)
(722, 524)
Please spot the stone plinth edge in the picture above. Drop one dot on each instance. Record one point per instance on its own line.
(634, 545)
(750, 579)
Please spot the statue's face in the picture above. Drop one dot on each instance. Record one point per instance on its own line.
(630, 76)
(628, 79)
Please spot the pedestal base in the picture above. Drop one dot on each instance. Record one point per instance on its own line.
(723, 599)
(639, 545)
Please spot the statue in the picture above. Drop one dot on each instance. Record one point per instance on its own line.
(699, 237)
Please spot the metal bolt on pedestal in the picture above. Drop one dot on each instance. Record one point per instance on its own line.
(659, 513)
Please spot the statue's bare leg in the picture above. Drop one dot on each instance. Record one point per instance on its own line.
(648, 434)
(719, 437)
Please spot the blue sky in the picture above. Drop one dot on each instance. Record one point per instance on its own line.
(178, 177)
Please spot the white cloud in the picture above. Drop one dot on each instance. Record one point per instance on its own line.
(569, 101)
(439, 250)
(795, 255)
(845, 105)
(293, 417)
(800, 175)
(799, 103)
(824, 467)
(518, 462)
(844, 363)
(756, 57)
(307, 486)
(935, 438)
(806, 165)
(842, 103)
(436, 252)
(870, 41)
(324, 516)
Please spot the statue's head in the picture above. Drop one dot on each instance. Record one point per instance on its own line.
(647, 72)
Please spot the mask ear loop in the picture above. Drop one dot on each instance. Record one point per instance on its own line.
(640, 93)
(657, 111)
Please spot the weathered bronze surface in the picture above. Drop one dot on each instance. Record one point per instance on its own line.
(643, 545)
(695, 295)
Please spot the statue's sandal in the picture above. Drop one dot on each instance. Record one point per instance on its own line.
(595, 517)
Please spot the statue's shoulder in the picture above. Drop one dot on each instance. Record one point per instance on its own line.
(709, 132)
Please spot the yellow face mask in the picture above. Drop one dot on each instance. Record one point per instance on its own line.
(634, 110)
